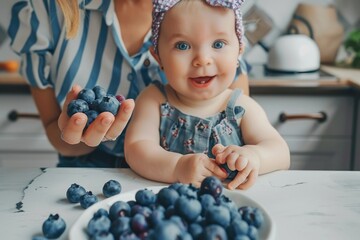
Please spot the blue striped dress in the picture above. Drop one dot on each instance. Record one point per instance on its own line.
(96, 56)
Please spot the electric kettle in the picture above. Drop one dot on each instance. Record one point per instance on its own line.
(294, 53)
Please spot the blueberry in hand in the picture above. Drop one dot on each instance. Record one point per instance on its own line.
(99, 92)
(120, 98)
(53, 227)
(77, 105)
(111, 188)
(88, 199)
(74, 193)
(109, 104)
(87, 95)
(91, 115)
(94, 105)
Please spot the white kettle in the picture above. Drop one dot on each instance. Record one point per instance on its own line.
(294, 53)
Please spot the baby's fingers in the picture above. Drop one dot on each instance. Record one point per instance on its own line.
(249, 182)
(240, 178)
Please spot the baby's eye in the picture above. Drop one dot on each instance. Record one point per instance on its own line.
(218, 44)
(182, 46)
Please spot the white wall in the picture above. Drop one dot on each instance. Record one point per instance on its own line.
(5, 14)
(281, 11)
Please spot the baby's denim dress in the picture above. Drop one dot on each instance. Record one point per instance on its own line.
(186, 134)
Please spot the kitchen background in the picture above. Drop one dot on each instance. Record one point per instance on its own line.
(325, 139)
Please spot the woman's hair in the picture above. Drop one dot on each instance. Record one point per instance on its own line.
(70, 9)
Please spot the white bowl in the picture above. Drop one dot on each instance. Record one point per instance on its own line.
(78, 230)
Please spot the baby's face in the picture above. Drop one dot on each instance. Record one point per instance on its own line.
(198, 49)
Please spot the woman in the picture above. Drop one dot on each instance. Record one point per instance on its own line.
(69, 45)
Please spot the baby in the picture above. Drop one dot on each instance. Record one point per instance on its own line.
(196, 126)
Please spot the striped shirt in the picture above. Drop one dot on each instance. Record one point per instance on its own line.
(96, 56)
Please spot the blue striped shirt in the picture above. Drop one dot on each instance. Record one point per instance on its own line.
(96, 56)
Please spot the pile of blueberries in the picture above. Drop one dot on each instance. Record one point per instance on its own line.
(177, 212)
(54, 226)
(94, 101)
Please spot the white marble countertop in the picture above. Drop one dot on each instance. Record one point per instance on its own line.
(303, 204)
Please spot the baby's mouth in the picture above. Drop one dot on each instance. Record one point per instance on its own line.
(202, 80)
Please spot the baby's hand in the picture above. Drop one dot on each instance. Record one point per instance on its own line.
(241, 159)
(106, 126)
(193, 168)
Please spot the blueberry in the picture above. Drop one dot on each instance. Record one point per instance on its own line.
(101, 212)
(91, 115)
(156, 217)
(39, 238)
(119, 209)
(53, 226)
(253, 216)
(238, 227)
(98, 224)
(188, 208)
(111, 188)
(231, 174)
(94, 105)
(195, 229)
(242, 237)
(253, 233)
(214, 232)
(211, 185)
(87, 95)
(87, 199)
(218, 215)
(103, 236)
(143, 210)
(120, 98)
(206, 201)
(139, 223)
(145, 197)
(74, 193)
(109, 104)
(119, 226)
(187, 190)
(167, 197)
(77, 105)
(99, 92)
(167, 230)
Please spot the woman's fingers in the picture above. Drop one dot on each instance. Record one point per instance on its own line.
(97, 130)
(73, 128)
(121, 119)
(64, 118)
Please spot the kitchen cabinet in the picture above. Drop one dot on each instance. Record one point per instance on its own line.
(317, 128)
(357, 137)
(23, 142)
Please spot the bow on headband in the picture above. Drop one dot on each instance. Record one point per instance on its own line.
(160, 7)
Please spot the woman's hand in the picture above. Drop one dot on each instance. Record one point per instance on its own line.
(105, 127)
(193, 168)
(243, 159)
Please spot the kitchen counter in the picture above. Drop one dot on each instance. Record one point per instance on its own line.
(347, 80)
(303, 204)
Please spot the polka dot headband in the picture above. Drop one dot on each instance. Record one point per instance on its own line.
(160, 7)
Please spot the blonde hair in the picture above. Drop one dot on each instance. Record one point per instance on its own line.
(71, 11)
